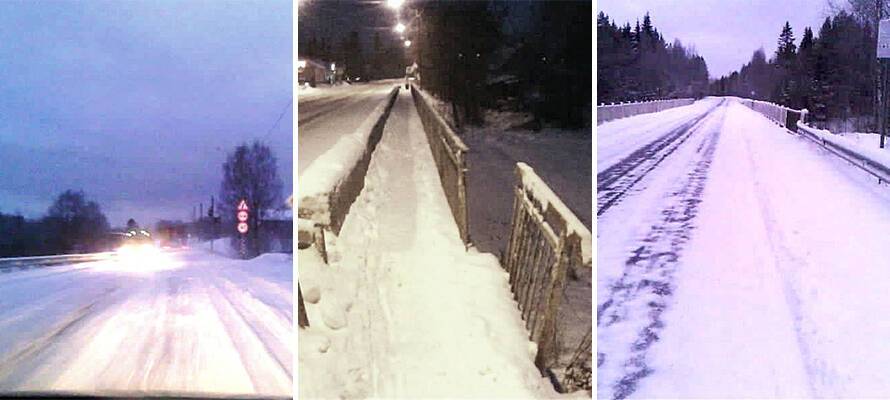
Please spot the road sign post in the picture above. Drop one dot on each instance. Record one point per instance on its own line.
(883, 53)
(242, 213)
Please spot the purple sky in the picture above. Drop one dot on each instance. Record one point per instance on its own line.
(137, 103)
(725, 32)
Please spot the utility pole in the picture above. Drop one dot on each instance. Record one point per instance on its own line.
(212, 223)
(882, 72)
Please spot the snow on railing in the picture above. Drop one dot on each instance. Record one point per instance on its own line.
(874, 162)
(609, 112)
(333, 181)
(546, 240)
(449, 153)
(784, 116)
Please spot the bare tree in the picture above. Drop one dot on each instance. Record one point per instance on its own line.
(75, 223)
(251, 173)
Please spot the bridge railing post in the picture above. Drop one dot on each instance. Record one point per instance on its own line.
(546, 241)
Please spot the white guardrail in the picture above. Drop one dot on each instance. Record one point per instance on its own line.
(795, 121)
(608, 112)
(46, 261)
(835, 144)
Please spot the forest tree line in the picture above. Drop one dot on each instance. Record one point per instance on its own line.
(636, 63)
(72, 224)
(831, 72)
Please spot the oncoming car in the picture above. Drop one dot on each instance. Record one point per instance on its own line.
(137, 242)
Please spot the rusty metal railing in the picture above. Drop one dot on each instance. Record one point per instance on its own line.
(546, 240)
(449, 152)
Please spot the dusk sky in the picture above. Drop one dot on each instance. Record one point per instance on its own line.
(138, 103)
(725, 32)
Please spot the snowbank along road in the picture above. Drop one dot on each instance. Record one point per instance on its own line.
(187, 322)
(325, 114)
(736, 259)
(404, 310)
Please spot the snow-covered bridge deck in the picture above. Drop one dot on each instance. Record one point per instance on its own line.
(748, 263)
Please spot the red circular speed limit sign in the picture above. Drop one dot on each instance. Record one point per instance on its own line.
(242, 227)
(242, 216)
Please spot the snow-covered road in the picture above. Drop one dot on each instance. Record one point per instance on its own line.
(747, 263)
(404, 310)
(186, 322)
(326, 113)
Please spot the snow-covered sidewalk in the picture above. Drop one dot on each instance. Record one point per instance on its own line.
(773, 286)
(403, 310)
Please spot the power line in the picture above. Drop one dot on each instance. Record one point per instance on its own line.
(275, 125)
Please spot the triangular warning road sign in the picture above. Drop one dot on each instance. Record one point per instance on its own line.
(242, 206)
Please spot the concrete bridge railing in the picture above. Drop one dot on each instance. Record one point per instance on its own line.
(608, 112)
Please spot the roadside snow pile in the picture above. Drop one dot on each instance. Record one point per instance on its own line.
(868, 142)
(222, 246)
(872, 153)
(307, 92)
(329, 170)
(278, 267)
(403, 310)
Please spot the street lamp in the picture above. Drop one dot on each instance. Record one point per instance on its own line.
(400, 27)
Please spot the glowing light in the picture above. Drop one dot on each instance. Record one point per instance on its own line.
(139, 259)
(400, 27)
(407, 43)
(394, 4)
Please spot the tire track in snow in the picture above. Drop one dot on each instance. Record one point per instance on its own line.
(259, 329)
(814, 369)
(11, 366)
(243, 334)
(617, 180)
(322, 107)
(640, 296)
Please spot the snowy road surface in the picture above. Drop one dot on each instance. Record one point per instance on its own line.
(404, 310)
(326, 113)
(747, 262)
(187, 322)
